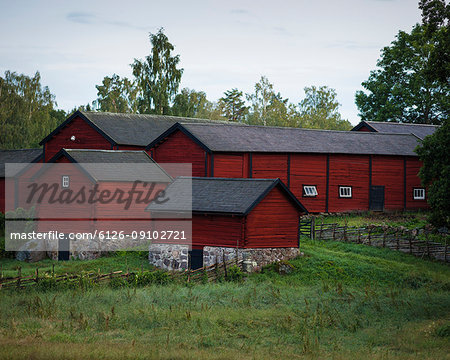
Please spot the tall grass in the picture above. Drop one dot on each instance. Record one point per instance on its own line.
(340, 301)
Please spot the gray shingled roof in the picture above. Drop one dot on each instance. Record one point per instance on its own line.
(135, 129)
(128, 170)
(420, 130)
(216, 195)
(237, 138)
(17, 156)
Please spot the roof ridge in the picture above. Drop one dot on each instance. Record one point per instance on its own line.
(227, 179)
(399, 123)
(106, 150)
(303, 129)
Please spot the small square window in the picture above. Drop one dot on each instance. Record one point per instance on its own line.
(345, 191)
(310, 190)
(65, 181)
(419, 194)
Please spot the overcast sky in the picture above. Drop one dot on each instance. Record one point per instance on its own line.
(223, 44)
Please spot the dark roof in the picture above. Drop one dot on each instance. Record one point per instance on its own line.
(420, 130)
(18, 156)
(127, 129)
(128, 170)
(218, 195)
(238, 138)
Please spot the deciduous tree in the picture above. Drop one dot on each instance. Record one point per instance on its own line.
(157, 76)
(435, 173)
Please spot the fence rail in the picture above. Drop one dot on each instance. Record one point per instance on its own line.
(415, 242)
(209, 273)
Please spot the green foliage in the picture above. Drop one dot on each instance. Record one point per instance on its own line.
(233, 106)
(234, 273)
(158, 76)
(117, 95)
(320, 110)
(27, 111)
(412, 83)
(435, 19)
(435, 173)
(194, 104)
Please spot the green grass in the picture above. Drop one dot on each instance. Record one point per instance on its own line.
(340, 301)
(120, 261)
(411, 220)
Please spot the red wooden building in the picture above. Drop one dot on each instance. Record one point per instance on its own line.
(110, 175)
(330, 171)
(233, 213)
(419, 130)
(15, 156)
(108, 131)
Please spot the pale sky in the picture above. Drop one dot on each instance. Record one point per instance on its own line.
(223, 44)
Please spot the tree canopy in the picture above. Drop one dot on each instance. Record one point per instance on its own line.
(320, 110)
(27, 111)
(411, 83)
(233, 106)
(435, 173)
(158, 76)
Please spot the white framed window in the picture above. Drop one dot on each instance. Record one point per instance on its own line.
(310, 190)
(419, 194)
(65, 181)
(345, 191)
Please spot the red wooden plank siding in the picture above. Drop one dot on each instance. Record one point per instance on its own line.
(309, 169)
(229, 165)
(364, 128)
(178, 148)
(413, 166)
(272, 223)
(349, 170)
(85, 138)
(217, 230)
(270, 166)
(387, 171)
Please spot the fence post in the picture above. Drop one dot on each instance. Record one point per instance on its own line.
(37, 274)
(321, 229)
(397, 239)
(428, 243)
(384, 238)
(19, 273)
(334, 232)
(410, 242)
(313, 228)
(445, 250)
(358, 241)
(368, 237)
(345, 232)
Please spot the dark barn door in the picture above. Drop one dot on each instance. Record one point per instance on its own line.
(196, 258)
(376, 202)
(64, 248)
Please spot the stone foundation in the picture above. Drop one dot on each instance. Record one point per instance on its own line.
(257, 257)
(169, 257)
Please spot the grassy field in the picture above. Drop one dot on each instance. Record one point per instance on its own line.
(341, 301)
(411, 220)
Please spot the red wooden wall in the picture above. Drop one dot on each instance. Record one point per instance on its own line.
(309, 169)
(413, 166)
(388, 171)
(86, 138)
(273, 222)
(348, 170)
(178, 148)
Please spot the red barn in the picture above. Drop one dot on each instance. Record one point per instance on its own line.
(233, 214)
(331, 171)
(107, 177)
(12, 157)
(108, 131)
(419, 130)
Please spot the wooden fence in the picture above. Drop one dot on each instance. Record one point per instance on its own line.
(416, 242)
(210, 273)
